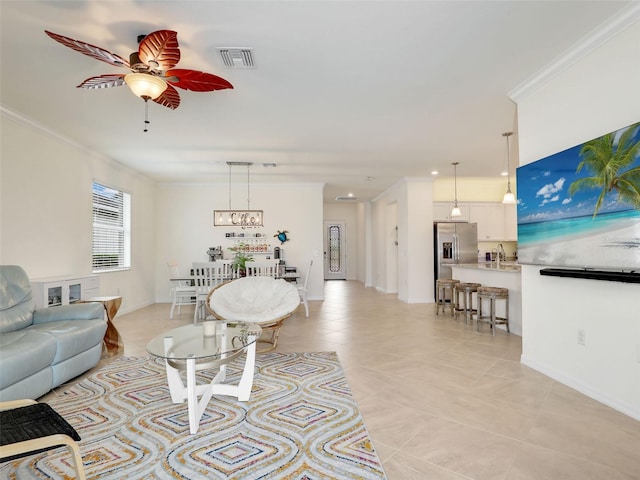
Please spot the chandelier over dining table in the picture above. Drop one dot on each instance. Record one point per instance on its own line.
(246, 218)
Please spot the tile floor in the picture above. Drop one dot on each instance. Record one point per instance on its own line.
(440, 400)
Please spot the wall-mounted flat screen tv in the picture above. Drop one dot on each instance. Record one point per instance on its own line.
(580, 207)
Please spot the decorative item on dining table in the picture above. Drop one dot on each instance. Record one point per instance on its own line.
(209, 328)
(240, 259)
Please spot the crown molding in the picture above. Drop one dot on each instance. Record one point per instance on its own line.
(38, 127)
(599, 36)
(28, 122)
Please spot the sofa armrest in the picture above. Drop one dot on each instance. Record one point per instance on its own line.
(78, 311)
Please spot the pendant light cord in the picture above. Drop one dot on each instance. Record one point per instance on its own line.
(508, 134)
(455, 183)
(509, 197)
(229, 189)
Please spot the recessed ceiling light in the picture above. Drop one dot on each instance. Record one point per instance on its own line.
(504, 174)
(434, 172)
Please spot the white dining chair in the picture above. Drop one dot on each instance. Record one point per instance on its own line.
(302, 290)
(182, 290)
(227, 267)
(268, 268)
(206, 276)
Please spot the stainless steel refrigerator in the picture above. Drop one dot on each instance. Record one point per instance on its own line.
(453, 242)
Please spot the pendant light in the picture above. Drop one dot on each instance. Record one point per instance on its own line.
(239, 218)
(455, 211)
(509, 197)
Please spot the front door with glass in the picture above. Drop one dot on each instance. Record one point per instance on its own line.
(334, 251)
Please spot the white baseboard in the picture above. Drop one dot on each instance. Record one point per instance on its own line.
(136, 307)
(631, 410)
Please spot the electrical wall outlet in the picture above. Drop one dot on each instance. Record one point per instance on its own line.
(581, 337)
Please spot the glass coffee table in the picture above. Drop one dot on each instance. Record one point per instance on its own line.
(203, 346)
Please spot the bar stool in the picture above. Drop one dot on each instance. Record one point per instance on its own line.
(444, 285)
(493, 294)
(466, 306)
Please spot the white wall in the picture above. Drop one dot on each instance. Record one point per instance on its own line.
(363, 246)
(391, 247)
(412, 198)
(486, 189)
(416, 246)
(348, 213)
(46, 210)
(185, 227)
(595, 95)
(378, 246)
(46, 216)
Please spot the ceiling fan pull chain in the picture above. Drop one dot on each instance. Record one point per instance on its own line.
(146, 114)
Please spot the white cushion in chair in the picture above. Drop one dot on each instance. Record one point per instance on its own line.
(255, 299)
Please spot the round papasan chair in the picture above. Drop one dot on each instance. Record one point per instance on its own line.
(263, 300)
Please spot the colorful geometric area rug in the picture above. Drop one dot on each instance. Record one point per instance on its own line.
(301, 423)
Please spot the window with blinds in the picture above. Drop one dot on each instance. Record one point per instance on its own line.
(111, 229)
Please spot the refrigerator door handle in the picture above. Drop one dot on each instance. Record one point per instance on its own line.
(456, 247)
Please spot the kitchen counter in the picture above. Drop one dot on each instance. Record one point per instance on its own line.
(503, 267)
(507, 275)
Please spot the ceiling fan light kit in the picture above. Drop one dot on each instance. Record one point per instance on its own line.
(145, 86)
(153, 74)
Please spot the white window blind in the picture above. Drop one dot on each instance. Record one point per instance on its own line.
(111, 229)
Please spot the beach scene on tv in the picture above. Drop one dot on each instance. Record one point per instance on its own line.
(580, 207)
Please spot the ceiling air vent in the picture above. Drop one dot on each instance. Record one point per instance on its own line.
(236, 57)
(340, 198)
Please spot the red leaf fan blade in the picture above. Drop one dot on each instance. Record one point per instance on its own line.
(90, 50)
(160, 48)
(170, 98)
(103, 81)
(197, 81)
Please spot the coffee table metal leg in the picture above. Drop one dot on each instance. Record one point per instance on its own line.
(192, 396)
(246, 381)
(176, 387)
(195, 407)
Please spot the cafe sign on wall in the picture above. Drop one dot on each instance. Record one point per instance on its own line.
(238, 218)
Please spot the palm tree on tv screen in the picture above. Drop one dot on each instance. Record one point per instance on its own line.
(610, 165)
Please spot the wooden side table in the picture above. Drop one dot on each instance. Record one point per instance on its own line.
(113, 343)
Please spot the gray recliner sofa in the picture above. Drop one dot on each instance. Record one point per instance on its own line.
(43, 348)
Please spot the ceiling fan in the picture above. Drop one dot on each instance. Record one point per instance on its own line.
(153, 76)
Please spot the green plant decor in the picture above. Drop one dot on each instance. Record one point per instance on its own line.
(240, 259)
